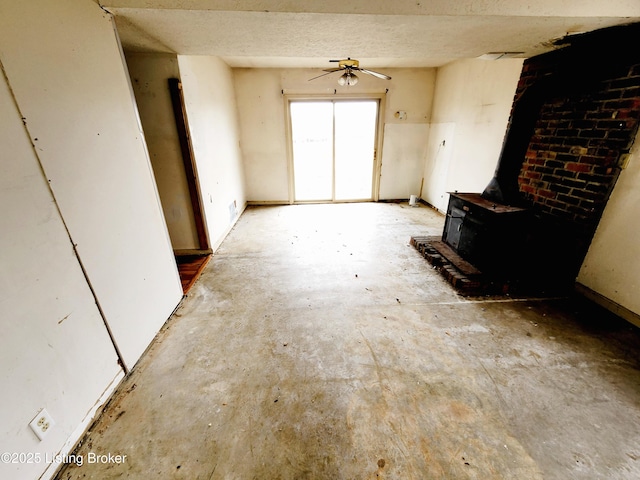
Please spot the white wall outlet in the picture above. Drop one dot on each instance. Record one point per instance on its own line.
(42, 423)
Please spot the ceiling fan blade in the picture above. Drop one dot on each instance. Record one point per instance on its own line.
(375, 74)
(331, 70)
(328, 73)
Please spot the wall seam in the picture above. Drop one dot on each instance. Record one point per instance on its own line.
(64, 223)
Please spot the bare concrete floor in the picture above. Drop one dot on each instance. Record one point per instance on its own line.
(319, 345)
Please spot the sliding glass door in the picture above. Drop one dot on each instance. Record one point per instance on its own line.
(333, 145)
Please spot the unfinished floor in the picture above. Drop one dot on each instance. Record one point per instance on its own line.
(318, 344)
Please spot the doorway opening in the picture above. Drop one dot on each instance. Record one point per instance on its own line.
(159, 98)
(333, 149)
(190, 263)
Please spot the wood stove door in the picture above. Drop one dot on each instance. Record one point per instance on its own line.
(453, 227)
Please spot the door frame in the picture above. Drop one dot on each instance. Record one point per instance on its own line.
(377, 167)
(188, 159)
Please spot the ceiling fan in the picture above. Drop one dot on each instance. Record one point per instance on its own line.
(349, 66)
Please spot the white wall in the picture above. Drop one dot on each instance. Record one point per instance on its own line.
(149, 75)
(611, 268)
(405, 141)
(75, 171)
(263, 134)
(470, 113)
(54, 348)
(213, 120)
(73, 89)
(403, 155)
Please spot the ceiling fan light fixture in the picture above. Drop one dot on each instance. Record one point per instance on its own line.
(349, 79)
(347, 67)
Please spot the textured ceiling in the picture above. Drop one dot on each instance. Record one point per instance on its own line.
(383, 33)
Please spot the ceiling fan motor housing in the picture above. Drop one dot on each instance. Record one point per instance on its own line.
(348, 63)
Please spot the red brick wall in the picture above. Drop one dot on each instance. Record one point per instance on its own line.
(575, 115)
(573, 157)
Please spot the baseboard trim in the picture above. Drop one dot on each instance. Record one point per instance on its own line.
(609, 304)
(81, 430)
(194, 251)
(218, 242)
(258, 203)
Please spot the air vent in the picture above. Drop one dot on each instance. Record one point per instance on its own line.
(500, 55)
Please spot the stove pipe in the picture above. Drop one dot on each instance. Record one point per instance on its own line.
(503, 187)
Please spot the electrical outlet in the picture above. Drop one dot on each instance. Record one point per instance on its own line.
(42, 423)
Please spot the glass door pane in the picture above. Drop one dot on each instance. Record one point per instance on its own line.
(355, 136)
(312, 136)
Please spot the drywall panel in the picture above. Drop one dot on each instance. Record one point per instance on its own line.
(436, 167)
(406, 131)
(403, 154)
(210, 100)
(263, 134)
(54, 349)
(263, 131)
(476, 96)
(65, 67)
(149, 77)
(612, 265)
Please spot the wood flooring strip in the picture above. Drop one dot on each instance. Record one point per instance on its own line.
(190, 267)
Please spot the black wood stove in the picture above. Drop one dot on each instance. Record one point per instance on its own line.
(489, 230)
(488, 235)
